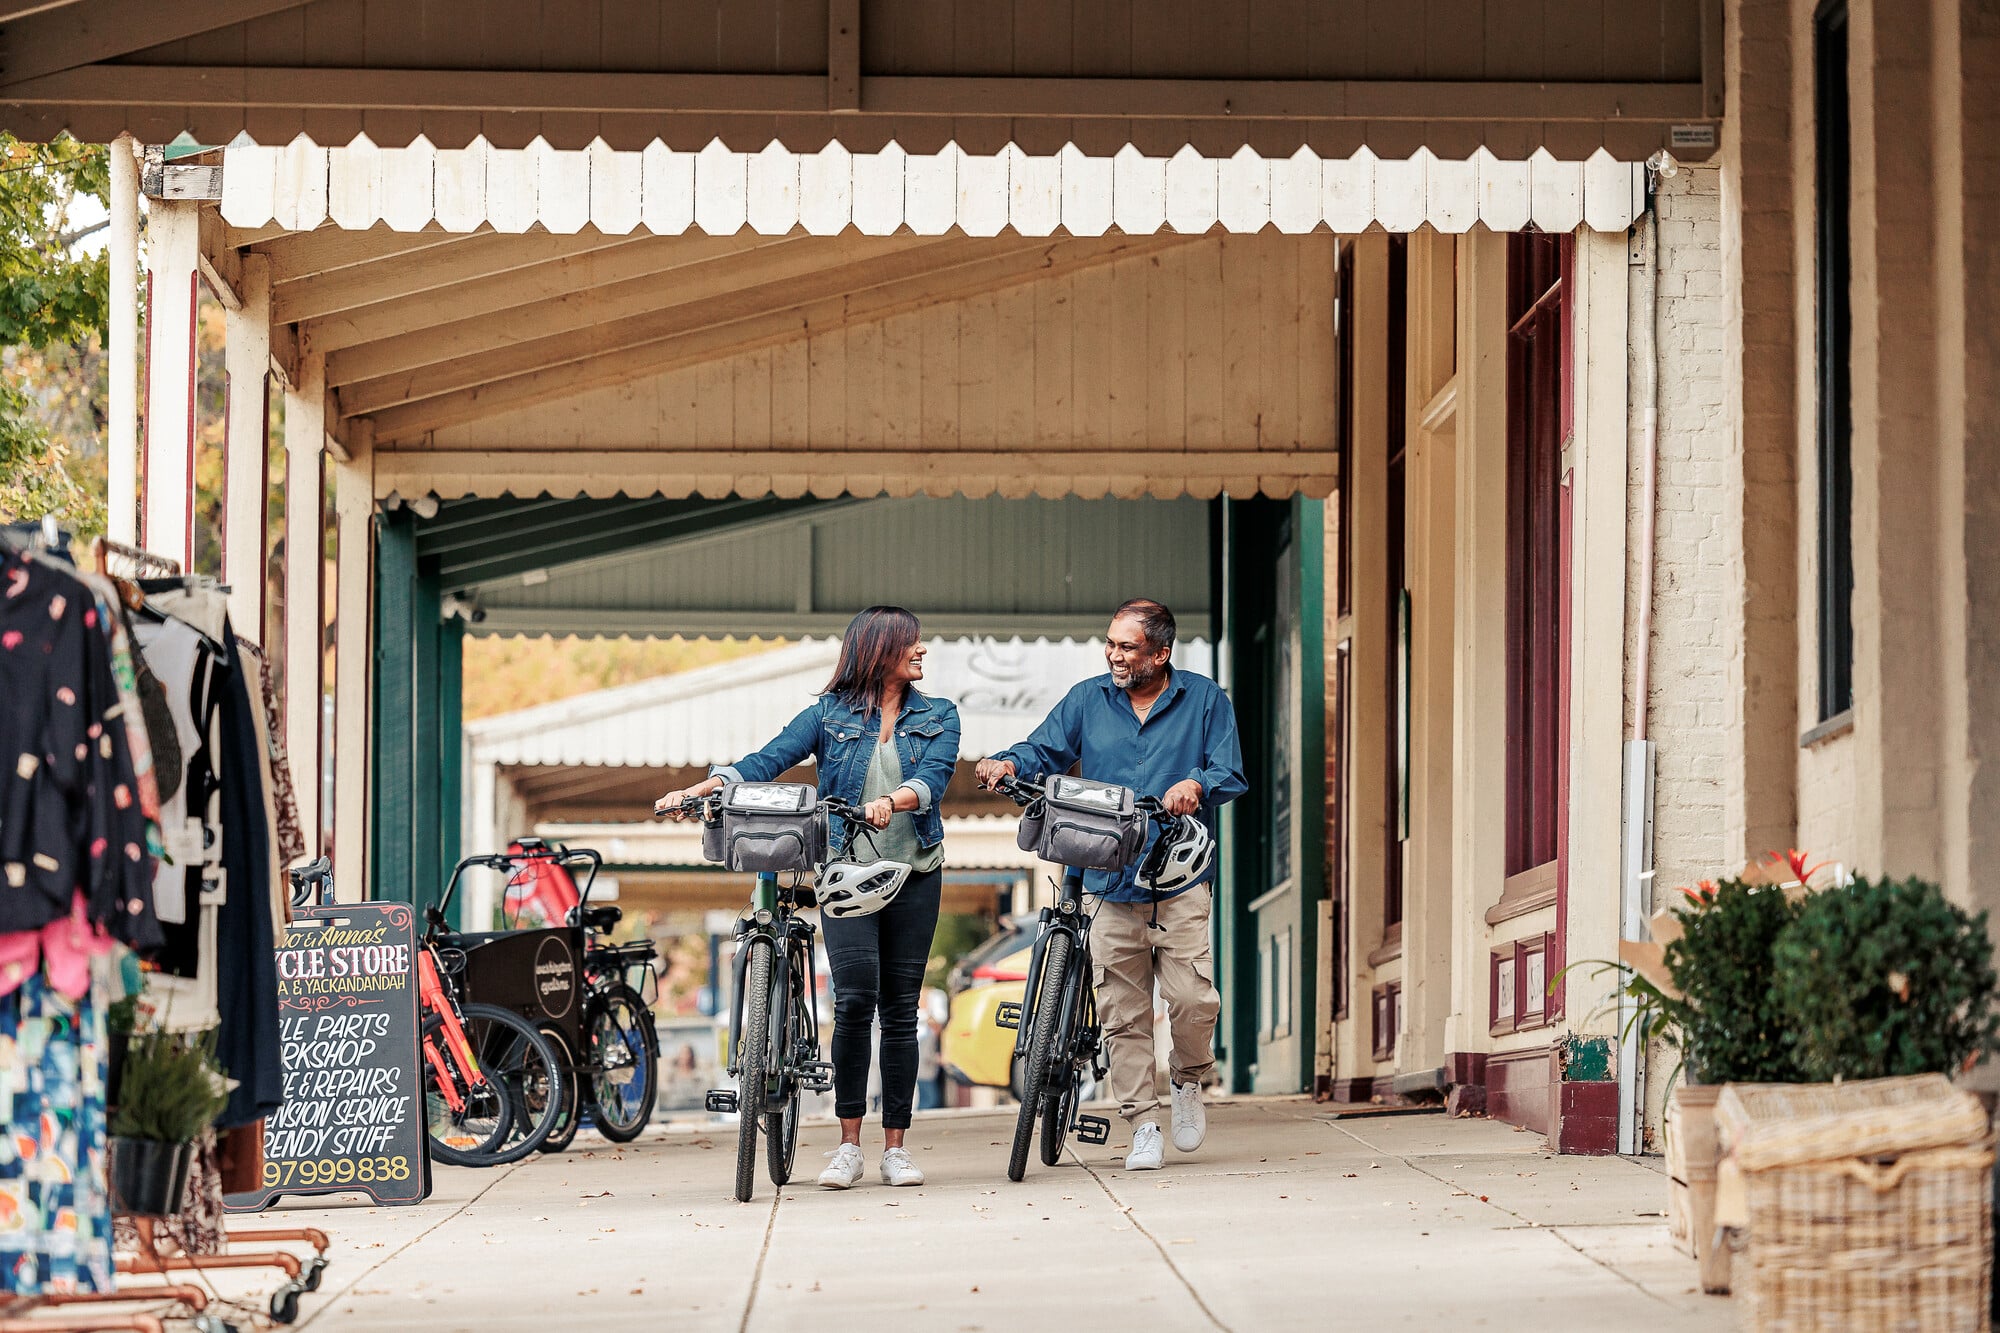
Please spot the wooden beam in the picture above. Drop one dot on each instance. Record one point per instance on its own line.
(65, 37)
(725, 301)
(586, 299)
(474, 256)
(843, 55)
(10, 10)
(528, 91)
(1045, 259)
(222, 264)
(296, 255)
(523, 287)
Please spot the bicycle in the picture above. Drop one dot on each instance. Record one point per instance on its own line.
(493, 1081)
(774, 1018)
(1059, 1033)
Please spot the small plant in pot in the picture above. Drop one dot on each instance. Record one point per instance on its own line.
(170, 1090)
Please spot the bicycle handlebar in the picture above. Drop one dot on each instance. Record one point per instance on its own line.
(1025, 794)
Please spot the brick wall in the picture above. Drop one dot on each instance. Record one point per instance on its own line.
(1697, 544)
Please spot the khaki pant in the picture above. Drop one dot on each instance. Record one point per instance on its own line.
(1128, 955)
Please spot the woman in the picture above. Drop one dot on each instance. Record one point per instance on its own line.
(882, 745)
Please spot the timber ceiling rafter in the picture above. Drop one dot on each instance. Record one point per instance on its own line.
(476, 365)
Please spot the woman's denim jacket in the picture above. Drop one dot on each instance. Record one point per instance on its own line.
(842, 738)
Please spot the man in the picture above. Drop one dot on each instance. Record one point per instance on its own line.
(1170, 734)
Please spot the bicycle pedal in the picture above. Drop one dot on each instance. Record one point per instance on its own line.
(1008, 1016)
(816, 1075)
(1093, 1129)
(721, 1101)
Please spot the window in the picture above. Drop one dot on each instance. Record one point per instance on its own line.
(1396, 751)
(1835, 324)
(1537, 350)
(1387, 1019)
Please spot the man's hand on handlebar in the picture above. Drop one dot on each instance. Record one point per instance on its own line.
(990, 771)
(1183, 798)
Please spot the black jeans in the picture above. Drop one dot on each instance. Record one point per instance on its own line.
(878, 966)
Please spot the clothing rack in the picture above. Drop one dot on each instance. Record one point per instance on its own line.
(129, 565)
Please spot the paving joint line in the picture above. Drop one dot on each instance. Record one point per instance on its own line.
(405, 1247)
(1132, 1215)
(757, 1273)
(1526, 1224)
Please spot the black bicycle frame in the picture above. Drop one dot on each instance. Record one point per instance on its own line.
(1066, 918)
(794, 930)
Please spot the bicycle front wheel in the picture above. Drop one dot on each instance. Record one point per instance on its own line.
(753, 1063)
(781, 1130)
(624, 1056)
(1041, 1051)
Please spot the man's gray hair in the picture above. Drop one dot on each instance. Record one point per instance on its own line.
(1154, 618)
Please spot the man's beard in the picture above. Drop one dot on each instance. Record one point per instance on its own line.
(1137, 676)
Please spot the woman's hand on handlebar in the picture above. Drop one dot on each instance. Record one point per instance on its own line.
(878, 812)
(686, 803)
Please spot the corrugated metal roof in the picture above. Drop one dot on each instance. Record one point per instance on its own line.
(1028, 568)
(718, 714)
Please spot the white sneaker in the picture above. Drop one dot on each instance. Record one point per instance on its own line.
(1149, 1151)
(845, 1168)
(898, 1169)
(1190, 1120)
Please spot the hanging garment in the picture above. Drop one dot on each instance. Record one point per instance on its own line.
(247, 1044)
(181, 658)
(55, 1208)
(288, 845)
(70, 814)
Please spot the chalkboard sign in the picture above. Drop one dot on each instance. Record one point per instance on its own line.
(353, 1118)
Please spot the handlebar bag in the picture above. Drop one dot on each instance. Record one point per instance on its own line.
(769, 828)
(1083, 824)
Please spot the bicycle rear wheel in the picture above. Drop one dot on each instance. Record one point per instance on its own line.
(570, 1113)
(1041, 1051)
(623, 1054)
(523, 1093)
(753, 1063)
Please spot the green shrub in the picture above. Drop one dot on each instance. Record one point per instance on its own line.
(1886, 977)
(1728, 1022)
(170, 1089)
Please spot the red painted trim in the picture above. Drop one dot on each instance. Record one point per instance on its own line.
(145, 422)
(263, 512)
(193, 368)
(222, 537)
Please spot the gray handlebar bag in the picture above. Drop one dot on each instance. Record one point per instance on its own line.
(767, 828)
(1083, 824)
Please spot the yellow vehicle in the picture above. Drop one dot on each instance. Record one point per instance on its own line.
(973, 1049)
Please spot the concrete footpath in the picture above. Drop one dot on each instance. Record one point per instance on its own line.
(1288, 1218)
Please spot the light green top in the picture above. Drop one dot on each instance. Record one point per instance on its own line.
(898, 842)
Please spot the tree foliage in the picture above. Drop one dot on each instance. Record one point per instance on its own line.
(53, 307)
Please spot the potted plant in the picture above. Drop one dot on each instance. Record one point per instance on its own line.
(169, 1092)
(1880, 978)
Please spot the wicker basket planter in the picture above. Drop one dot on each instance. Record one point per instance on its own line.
(1865, 1205)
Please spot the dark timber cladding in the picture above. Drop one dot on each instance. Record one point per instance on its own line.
(1397, 75)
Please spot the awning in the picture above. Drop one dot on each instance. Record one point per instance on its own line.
(721, 192)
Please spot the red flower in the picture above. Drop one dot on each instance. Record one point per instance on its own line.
(1796, 859)
(1703, 893)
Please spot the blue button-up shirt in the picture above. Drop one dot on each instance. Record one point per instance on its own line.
(1189, 733)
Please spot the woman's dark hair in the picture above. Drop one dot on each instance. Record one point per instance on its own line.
(875, 642)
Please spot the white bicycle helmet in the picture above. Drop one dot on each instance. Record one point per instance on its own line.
(859, 888)
(1180, 855)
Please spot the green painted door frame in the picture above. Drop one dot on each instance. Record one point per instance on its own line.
(417, 723)
(1253, 535)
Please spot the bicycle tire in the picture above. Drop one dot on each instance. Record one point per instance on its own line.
(781, 1128)
(569, 1113)
(526, 1068)
(621, 1110)
(439, 1116)
(1058, 1115)
(753, 1063)
(1041, 1049)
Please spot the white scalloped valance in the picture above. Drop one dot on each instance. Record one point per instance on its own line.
(722, 192)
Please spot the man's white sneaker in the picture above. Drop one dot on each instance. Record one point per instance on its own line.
(845, 1168)
(1190, 1120)
(898, 1169)
(1149, 1152)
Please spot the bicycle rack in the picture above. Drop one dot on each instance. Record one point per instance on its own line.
(722, 1101)
(1008, 1016)
(1093, 1129)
